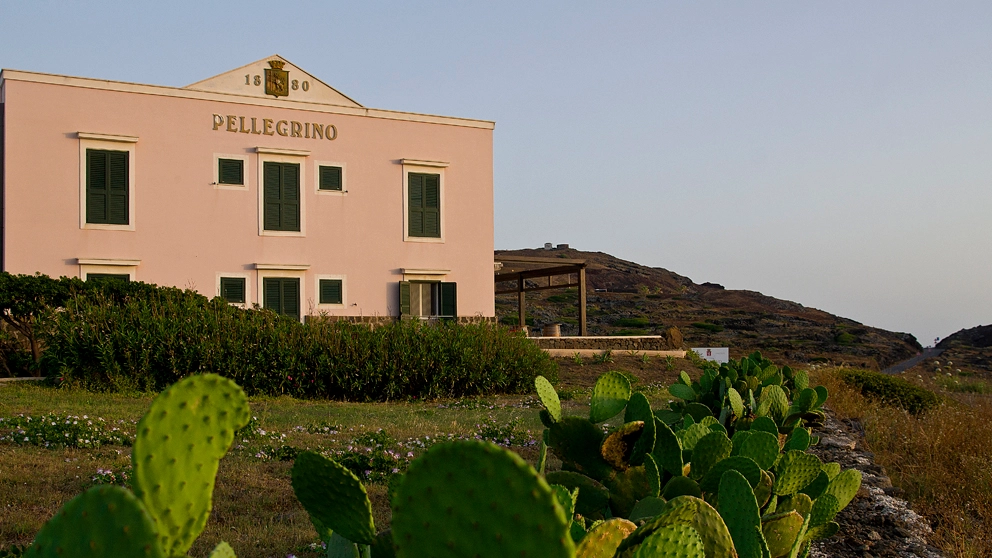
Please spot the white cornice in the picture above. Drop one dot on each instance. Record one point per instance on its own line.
(422, 163)
(107, 137)
(163, 91)
(100, 261)
(281, 151)
(283, 267)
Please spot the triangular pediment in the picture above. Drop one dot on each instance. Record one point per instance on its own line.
(283, 80)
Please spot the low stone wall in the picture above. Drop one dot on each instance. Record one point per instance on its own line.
(373, 321)
(602, 343)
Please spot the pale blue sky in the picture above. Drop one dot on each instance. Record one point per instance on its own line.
(838, 154)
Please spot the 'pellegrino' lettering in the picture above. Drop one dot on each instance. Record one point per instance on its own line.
(270, 127)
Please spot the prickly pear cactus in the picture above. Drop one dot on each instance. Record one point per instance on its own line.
(593, 497)
(711, 449)
(178, 446)
(549, 397)
(334, 496)
(602, 540)
(740, 512)
(103, 521)
(672, 541)
(781, 532)
(844, 487)
(222, 550)
(694, 512)
(609, 396)
(794, 471)
(744, 465)
(474, 498)
(762, 447)
(577, 441)
(639, 409)
(667, 449)
(619, 445)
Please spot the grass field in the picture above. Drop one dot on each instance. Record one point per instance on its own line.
(254, 507)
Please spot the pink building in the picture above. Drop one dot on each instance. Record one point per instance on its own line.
(262, 185)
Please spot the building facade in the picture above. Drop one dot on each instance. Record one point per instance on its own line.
(262, 185)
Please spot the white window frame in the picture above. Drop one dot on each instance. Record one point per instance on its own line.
(426, 167)
(245, 173)
(111, 266)
(316, 178)
(235, 275)
(344, 293)
(282, 270)
(276, 155)
(109, 142)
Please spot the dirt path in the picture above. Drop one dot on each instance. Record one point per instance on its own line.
(909, 363)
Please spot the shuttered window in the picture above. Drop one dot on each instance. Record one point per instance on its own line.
(230, 171)
(330, 291)
(428, 300)
(424, 203)
(329, 178)
(282, 295)
(232, 289)
(281, 196)
(106, 187)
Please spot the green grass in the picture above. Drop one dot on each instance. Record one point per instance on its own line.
(254, 508)
(706, 326)
(634, 322)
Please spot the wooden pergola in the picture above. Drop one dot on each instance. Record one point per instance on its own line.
(518, 269)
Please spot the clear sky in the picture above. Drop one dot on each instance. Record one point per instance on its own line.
(838, 154)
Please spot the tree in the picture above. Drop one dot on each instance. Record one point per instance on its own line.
(25, 299)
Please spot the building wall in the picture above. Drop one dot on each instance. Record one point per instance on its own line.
(187, 231)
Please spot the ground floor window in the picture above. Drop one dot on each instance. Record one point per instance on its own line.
(232, 289)
(428, 299)
(108, 277)
(282, 295)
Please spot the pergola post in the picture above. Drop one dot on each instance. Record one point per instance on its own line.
(521, 304)
(582, 302)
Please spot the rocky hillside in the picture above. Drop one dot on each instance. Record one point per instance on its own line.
(969, 349)
(625, 298)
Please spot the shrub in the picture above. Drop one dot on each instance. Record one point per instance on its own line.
(891, 390)
(714, 328)
(632, 322)
(151, 340)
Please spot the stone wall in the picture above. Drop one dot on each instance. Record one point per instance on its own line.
(632, 343)
(373, 321)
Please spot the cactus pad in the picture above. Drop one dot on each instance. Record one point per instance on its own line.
(844, 487)
(340, 547)
(103, 521)
(710, 450)
(762, 447)
(626, 488)
(773, 403)
(576, 442)
(817, 487)
(672, 541)
(794, 471)
(743, 465)
(738, 440)
(736, 402)
(690, 436)
(740, 512)
(647, 508)
(781, 532)
(682, 391)
(798, 440)
(177, 448)
(764, 424)
(609, 396)
(823, 511)
(474, 498)
(831, 469)
(824, 531)
(639, 409)
(667, 449)
(801, 380)
(619, 445)
(222, 550)
(593, 496)
(383, 545)
(334, 496)
(694, 512)
(681, 486)
(822, 394)
(654, 475)
(566, 499)
(602, 540)
(763, 491)
(549, 397)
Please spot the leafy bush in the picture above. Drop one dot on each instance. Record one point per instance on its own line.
(151, 339)
(891, 390)
(714, 328)
(638, 321)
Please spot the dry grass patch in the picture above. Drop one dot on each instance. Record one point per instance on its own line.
(941, 458)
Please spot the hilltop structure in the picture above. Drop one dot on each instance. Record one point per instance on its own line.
(262, 185)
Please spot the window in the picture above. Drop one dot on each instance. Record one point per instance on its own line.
(331, 291)
(424, 205)
(423, 299)
(281, 196)
(98, 277)
(107, 186)
(282, 295)
(231, 171)
(329, 178)
(232, 289)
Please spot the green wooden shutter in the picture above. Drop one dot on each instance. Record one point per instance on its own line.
(415, 189)
(290, 197)
(330, 291)
(117, 186)
(108, 277)
(232, 289)
(432, 205)
(230, 171)
(291, 297)
(330, 178)
(272, 195)
(271, 294)
(404, 299)
(449, 306)
(96, 186)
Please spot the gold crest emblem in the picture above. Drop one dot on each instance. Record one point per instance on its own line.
(276, 79)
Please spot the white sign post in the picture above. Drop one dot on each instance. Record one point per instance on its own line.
(717, 354)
